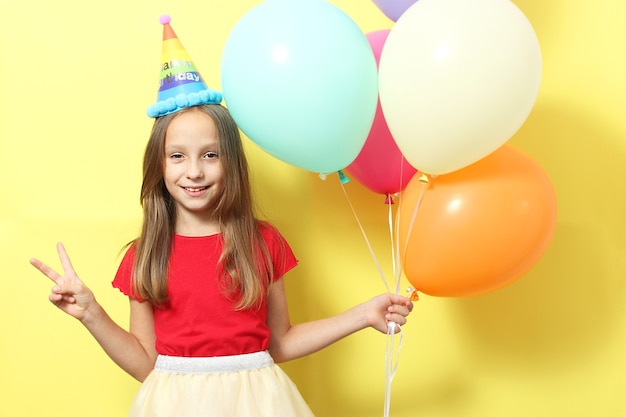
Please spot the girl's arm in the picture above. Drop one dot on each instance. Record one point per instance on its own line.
(132, 350)
(289, 341)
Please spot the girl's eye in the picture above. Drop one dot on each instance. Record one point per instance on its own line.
(176, 155)
(210, 155)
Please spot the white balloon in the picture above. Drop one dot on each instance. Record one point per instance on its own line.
(457, 78)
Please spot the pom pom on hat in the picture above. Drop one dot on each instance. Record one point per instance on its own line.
(180, 85)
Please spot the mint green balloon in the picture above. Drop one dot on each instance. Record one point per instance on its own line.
(300, 79)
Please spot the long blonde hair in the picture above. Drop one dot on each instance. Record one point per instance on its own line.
(245, 262)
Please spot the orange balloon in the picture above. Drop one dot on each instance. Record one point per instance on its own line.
(479, 228)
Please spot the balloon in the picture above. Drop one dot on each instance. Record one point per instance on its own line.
(457, 79)
(300, 80)
(380, 166)
(393, 9)
(479, 228)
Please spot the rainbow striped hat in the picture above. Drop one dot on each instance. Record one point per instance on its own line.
(181, 85)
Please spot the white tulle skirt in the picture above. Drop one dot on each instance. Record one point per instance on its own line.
(250, 385)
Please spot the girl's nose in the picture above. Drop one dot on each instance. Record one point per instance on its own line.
(194, 170)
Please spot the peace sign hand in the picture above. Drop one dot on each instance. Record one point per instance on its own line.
(69, 294)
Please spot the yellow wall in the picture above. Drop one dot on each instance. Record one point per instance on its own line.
(75, 79)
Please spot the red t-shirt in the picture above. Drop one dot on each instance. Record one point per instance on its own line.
(199, 320)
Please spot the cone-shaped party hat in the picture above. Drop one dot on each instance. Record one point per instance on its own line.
(181, 84)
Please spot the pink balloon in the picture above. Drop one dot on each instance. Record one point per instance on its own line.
(380, 166)
(377, 41)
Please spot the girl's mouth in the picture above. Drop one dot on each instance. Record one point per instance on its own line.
(195, 189)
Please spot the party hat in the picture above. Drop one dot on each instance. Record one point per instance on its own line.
(181, 85)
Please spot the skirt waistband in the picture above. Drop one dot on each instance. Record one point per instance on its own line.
(215, 364)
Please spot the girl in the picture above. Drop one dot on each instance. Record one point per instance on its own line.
(208, 311)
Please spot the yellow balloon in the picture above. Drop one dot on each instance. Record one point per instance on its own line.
(457, 78)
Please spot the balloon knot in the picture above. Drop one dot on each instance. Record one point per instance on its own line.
(413, 295)
(389, 199)
(342, 177)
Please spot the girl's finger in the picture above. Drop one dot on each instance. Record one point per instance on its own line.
(54, 297)
(65, 259)
(396, 318)
(399, 309)
(45, 269)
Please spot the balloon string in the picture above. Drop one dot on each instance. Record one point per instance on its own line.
(394, 264)
(397, 261)
(391, 368)
(414, 215)
(395, 232)
(369, 246)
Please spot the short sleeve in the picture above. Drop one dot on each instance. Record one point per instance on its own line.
(283, 258)
(123, 280)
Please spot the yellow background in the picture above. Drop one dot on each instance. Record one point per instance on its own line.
(75, 79)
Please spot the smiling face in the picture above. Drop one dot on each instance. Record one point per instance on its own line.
(192, 171)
